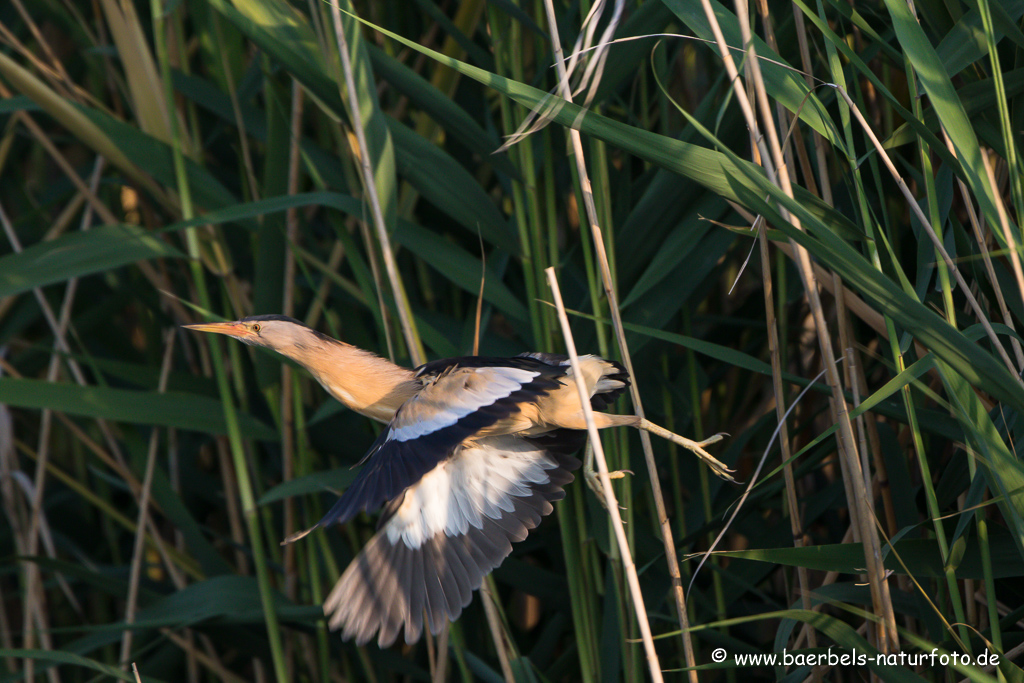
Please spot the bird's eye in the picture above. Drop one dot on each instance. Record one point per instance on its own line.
(256, 328)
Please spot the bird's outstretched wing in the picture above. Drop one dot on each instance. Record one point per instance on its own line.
(460, 397)
(439, 540)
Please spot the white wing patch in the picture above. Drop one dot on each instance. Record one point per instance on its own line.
(454, 396)
(477, 481)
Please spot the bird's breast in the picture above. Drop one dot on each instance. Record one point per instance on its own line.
(374, 401)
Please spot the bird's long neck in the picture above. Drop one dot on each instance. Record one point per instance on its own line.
(366, 383)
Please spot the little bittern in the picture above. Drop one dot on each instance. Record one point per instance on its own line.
(475, 452)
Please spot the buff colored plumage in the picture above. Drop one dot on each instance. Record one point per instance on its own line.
(475, 452)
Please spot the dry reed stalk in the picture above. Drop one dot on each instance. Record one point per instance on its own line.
(370, 186)
(972, 216)
(317, 307)
(620, 335)
(243, 138)
(775, 168)
(611, 504)
(796, 524)
(441, 670)
(926, 225)
(232, 503)
(371, 256)
(54, 61)
(287, 296)
(494, 622)
(497, 630)
(52, 71)
(214, 665)
(1004, 225)
(139, 549)
(59, 329)
(412, 340)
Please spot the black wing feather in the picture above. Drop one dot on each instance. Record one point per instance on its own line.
(436, 368)
(440, 576)
(392, 465)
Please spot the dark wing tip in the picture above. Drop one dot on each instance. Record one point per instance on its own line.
(389, 587)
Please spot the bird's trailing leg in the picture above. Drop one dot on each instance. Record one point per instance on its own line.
(606, 420)
(716, 465)
(590, 475)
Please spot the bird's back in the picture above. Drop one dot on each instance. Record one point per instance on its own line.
(609, 378)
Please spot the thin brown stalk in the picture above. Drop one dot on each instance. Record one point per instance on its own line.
(854, 304)
(972, 216)
(232, 503)
(220, 672)
(243, 138)
(819, 142)
(287, 402)
(60, 83)
(59, 328)
(795, 522)
(431, 650)
(1014, 256)
(613, 306)
(777, 172)
(611, 504)
(480, 298)
(494, 623)
(139, 551)
(58, 66)
(496, 628)
(6, 636)
(14, 508)
(796, 525)
(67, 215)
(45, 536)
(333, 261)
(288, 294)
(366, 168)
(926, 225)
(35, 613)
(441, 669)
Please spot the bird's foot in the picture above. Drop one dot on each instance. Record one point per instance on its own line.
(593, 477)
(593, 480)
(716, 465)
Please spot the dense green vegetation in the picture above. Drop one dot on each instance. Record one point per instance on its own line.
(850, 202)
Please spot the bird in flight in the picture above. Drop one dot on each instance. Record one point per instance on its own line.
(475, 451)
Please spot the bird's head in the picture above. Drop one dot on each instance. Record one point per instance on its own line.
(279, 333)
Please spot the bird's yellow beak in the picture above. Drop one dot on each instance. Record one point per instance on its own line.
(235, 329)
